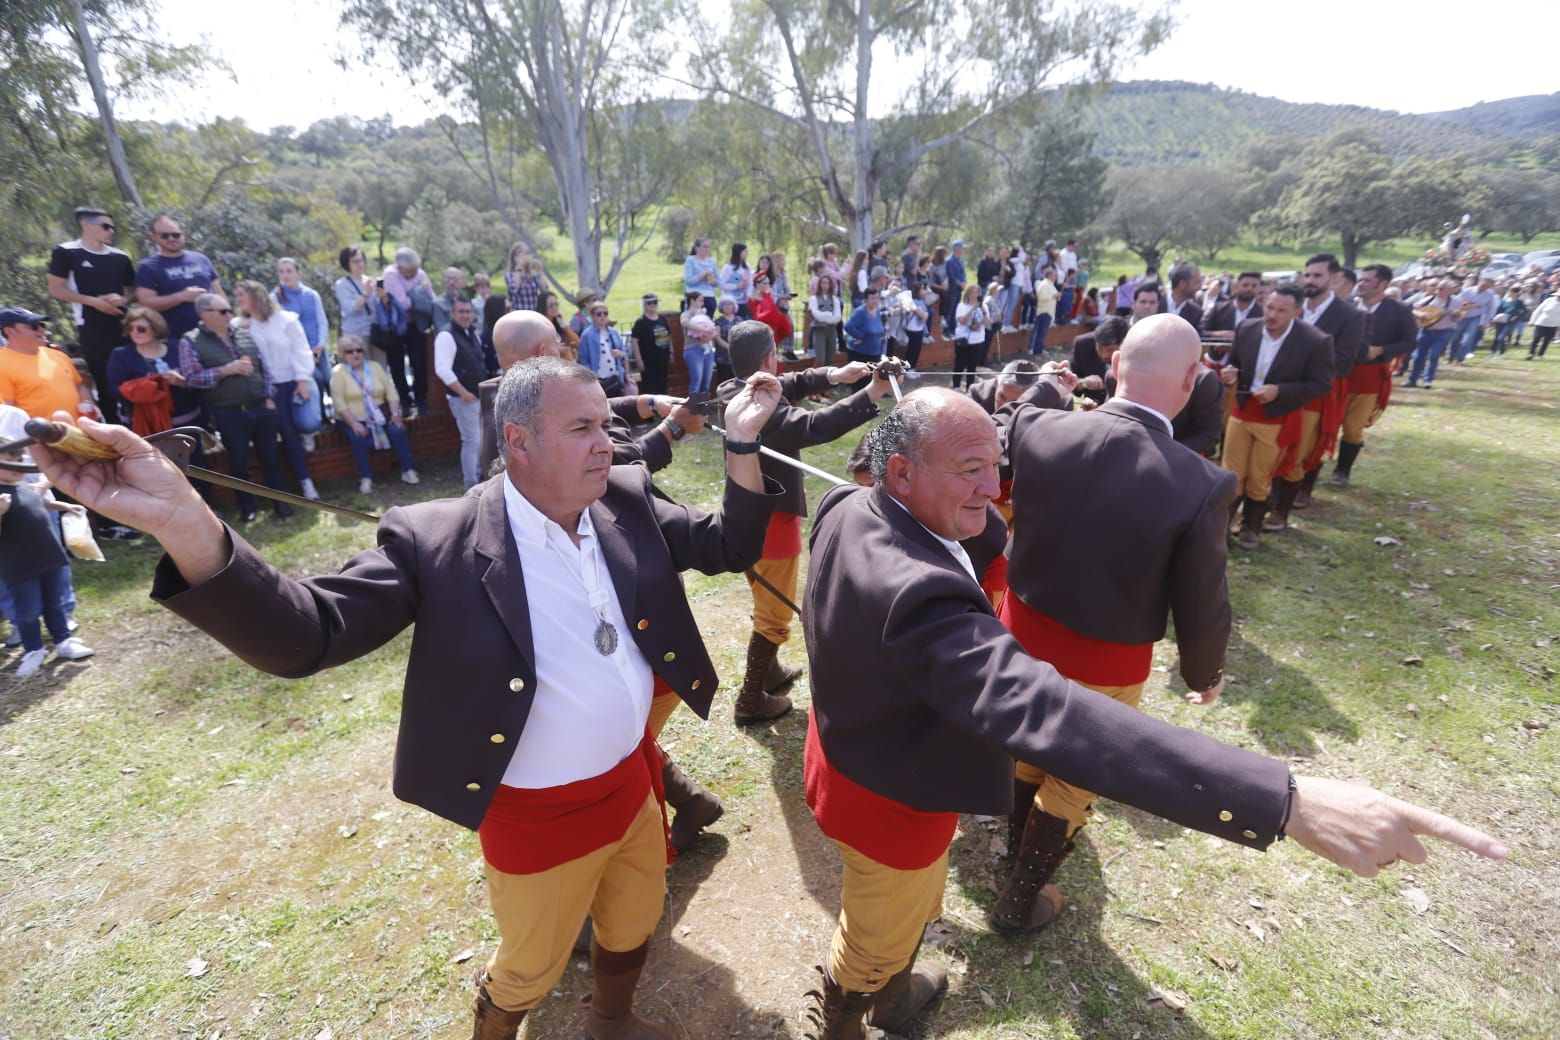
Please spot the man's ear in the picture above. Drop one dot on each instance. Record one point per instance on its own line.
(518, 438)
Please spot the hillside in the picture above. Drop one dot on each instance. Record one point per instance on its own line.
(1164, 122)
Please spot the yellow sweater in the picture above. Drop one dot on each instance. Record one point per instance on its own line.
(348, 395)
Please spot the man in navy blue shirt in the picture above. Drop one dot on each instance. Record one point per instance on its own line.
(175, 278)
(957, 279)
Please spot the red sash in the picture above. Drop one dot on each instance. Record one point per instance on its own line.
(1332, 405)
(529, 830)
(783, 538)
(1075, 655)
(889, 832)
(1372, 378)
(1251, 411)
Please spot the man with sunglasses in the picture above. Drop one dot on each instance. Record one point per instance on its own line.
(175, 278)
(97, 280)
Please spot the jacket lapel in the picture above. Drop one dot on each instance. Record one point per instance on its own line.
(503, 580)
(617, 547)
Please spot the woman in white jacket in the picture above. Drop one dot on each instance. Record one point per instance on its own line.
(280, 338)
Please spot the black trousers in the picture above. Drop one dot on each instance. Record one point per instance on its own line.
(657, 362)
(96, 345)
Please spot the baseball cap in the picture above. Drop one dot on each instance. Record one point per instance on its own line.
(649, 297)
(956, 243)
(19, 316)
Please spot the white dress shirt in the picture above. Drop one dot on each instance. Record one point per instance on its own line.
(1242, 315)
(1266, 353)
(1309, 316)
(1154, 412)
(590, 709)
(954, 548)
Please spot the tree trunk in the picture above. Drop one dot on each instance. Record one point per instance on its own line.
(1351, 249)
(116, 150)
(860, 220)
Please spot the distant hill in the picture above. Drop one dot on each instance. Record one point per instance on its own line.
(1165, 122)
(1531, 116)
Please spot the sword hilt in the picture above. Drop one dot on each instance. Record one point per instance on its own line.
(64, 437)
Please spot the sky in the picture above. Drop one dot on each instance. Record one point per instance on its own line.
(1380, 55)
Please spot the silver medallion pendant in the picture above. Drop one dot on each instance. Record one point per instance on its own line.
(606, 638)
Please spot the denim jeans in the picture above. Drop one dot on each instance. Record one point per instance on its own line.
(1466, 338)
(701, 366)
(1432, 344)
(1502, 336)
(241, 427)
(40, 596)
(1006, 301)
(1037, 334)
(292, 441)
(362, 445)
(468, 419)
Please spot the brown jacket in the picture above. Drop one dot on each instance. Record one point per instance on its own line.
(921, 695)
(451, 568)
(1302, 369)
(1155, 512)
(651, 448)
(1345, 323)
(1201, 423)
(791, 429)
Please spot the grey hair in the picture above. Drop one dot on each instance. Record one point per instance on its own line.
(905, 431)
(207, 301)
(519, 395)
(407, 257)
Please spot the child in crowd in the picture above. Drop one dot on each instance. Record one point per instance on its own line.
(35, 569)
(723, 323)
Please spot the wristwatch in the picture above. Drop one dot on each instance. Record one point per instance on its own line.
(673, 431)
(741, 447)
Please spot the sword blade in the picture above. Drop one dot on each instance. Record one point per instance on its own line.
(797, 463)
(234, 484)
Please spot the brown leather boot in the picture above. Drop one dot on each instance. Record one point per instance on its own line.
(1307, 485)
(1251, 526)
(1284, 494)
(1018, 816)
(836, 1013)
(1045, 846)
(1347, 453)
(492, 1022)
(780, 676)
(696, 808)
(753, 703)
(906, 993)
(612, 1001)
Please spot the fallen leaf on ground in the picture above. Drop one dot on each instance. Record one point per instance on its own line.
(1386, 539)
(1227, 963)
(988, 999)
(1256, 929)
(1416, 899)
(1167, 998)
(1412, 659)
(1534, 724)
(463, 956)
(1029, 958)
(195, 968)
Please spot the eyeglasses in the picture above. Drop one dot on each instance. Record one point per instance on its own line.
(106, 226)
(170, 235)
(353, 350)
(598, 314)
(220, 310)
(140, 328)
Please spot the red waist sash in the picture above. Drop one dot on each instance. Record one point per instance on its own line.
(1332, 405)
(1250, 410)
(1075, 655)
(783, 538)
(529, 830)
(878, 827)
(1372, 377)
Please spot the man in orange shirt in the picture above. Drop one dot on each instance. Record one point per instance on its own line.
(37, 378)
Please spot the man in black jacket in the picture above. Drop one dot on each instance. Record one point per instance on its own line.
(788, 431)
(1390, 334)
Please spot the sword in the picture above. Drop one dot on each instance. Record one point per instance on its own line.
(177, 444)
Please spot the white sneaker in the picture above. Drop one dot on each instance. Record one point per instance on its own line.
(410, 477)
(32, 660)
(308, 445)
(365, 485)
(72, 649)
(308, 490)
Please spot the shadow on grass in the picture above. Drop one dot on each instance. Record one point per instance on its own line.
(1290, 709)
(1073, 973)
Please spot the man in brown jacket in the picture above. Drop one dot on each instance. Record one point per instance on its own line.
(1096, 617)
(1275, 367)
(527, 725)
(923, 722)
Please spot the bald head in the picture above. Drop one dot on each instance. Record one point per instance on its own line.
(522, 335)
(1158, 362)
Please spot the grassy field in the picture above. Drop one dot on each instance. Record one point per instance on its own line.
(190, 849)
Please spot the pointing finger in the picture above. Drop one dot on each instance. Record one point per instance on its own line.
(1423, 821)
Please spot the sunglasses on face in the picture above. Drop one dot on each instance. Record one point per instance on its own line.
(106, 226)
(354, 350)
(169, 235)
(221, 310)
(140, 328)
(598, 314)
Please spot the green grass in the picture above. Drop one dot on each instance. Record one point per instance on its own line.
(163, 803)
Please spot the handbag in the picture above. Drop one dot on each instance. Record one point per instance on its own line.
(307, 416)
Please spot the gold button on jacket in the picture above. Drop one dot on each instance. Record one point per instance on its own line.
(517, 684)
(497, 738)
(473, 786)
(1226, 815)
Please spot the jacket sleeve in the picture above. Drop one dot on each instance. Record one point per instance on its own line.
(1405, 334)
(321, 322)
(972, 672)
(295, 628)
(1205, 416)
(1316, 382)
(1199, 590)
(716, 543)
(796, 385)
(792, 429)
